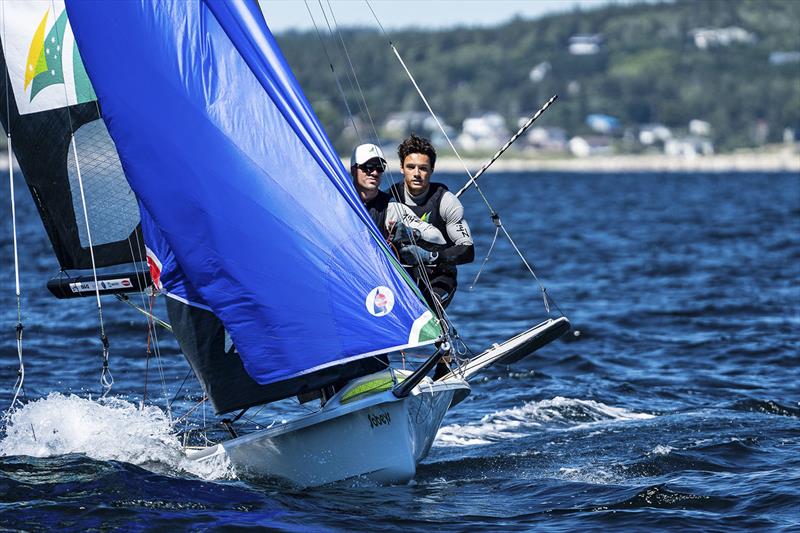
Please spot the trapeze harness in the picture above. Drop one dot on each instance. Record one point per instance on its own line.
(377, 208)
(443, 276)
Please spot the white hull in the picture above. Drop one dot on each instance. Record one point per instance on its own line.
(374, 435)
(380, 437)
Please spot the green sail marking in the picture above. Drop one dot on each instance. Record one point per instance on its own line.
(84, 92)
(430, 331)
(51, 53)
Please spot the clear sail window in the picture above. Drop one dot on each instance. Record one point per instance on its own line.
(110, 202)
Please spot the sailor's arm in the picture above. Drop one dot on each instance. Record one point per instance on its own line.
(397, 213)
(458, 231)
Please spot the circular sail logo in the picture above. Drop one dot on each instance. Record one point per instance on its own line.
(380, 301)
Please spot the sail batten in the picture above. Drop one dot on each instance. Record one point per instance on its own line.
(245, 206)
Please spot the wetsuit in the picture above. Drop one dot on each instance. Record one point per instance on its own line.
(441, 209)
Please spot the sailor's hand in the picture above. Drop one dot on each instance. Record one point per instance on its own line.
(404, 235)
(414, 255)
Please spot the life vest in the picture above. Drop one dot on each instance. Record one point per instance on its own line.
(377, 211)
(429, 211)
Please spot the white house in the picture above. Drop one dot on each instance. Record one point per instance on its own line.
(705, 38)
(486, 132)
(548, 139)
(701, 128)
(587, 146)
(688, 147)
(649, 134)
(585, 44)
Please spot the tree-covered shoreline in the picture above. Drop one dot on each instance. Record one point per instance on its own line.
(648, 68)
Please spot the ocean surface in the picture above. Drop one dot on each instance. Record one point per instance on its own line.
(673, 405)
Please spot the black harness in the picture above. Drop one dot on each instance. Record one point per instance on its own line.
(377, 208)
(429, 211)
(443, 278)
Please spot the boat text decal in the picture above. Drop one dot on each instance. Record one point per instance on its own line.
(382, 419)
(105, 285)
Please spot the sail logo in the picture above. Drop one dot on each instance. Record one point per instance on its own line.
(380, 301)
(42, 58)
(155, 266)
(426, 217)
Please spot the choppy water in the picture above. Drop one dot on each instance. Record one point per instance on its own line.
(677, 406)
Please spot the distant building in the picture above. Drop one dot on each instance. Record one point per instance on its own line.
(688, 147)
(546, 139)
(783, 58)
(761, 132)
(588, 146)
(585, 44)
(399, 125)
(701, 128)
(539, 72)
(602, 123)
(705, 38)
(488, 131)
(650, 134)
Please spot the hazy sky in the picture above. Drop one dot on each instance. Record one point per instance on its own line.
(282, 15)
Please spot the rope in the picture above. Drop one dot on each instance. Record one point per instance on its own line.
(492, 211)
(421, 272)
(149, 314)
(485, 259)
(333, 70)
(106, 379)
(20, 381)
(189, 373)
(522, 130)
(152, 333)
(365, 107)
(20, 373)
(349, 79)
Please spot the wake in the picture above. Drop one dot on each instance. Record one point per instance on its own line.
(108, 429)
(558, 413)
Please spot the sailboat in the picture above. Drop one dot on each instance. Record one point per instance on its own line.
(179, 138)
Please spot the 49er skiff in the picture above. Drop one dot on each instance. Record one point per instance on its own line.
(179, 137)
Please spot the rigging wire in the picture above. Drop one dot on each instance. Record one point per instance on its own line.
(347, 74)
(333, 70)
(152, 331)
(20, 381)
(493, 212)
(421, 270)
(106, 378)
(365, 107)
(424, 278)
(505, 147)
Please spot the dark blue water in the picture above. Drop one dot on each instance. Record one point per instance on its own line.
(677, 406)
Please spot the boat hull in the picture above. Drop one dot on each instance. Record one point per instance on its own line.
(379, 438)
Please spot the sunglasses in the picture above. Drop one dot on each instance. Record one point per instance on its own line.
(369, 167)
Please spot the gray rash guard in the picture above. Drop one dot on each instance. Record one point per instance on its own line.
(452, 214)
(397, 212)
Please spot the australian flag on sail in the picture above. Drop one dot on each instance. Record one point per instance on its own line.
(241, 188)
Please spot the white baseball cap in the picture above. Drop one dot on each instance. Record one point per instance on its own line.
(364, 152)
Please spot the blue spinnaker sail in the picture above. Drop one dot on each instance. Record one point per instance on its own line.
(240, 187)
